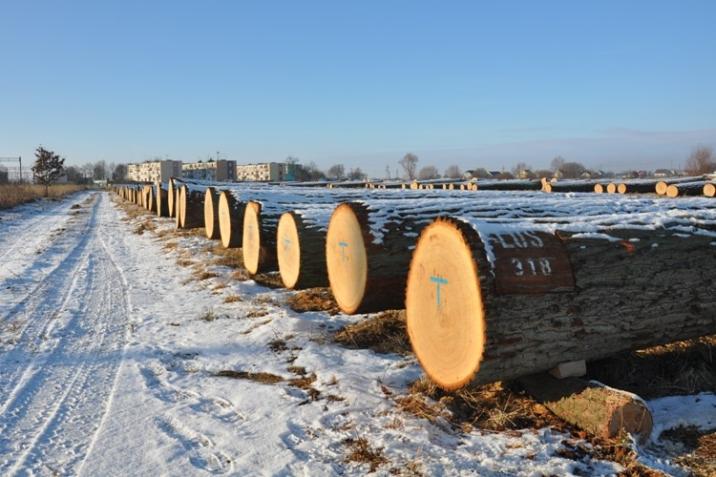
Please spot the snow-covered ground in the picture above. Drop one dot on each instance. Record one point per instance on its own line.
(109, 355)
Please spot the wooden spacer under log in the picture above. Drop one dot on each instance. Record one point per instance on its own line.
(301, 253)
(258, 243)
(546, 299)
(231, 220)
(211, 214)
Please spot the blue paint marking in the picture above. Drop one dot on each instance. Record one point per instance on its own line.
(286, 243)
(343, 246)
(438, 281)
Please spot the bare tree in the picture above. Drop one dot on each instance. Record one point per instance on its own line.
(480, 173)
(409, 163)
(701, 161)
(99, 170)
(428, 172)
(309, 172)
(453, 172)
(336, 172)
(48, 167)
(357, 174)
(119, 173)
(557, 163)
(572, 170)
(522, 171)
(546, 173)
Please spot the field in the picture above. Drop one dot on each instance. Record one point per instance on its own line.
(129, 343)
(16, 194)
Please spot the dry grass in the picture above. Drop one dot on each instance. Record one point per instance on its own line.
(232, 299)
(314, 299)
(269, 279)
(683, 367)
(360, 451)
(228, 257)
(201, 275)
(383, 333)
(16, 194)
(699, 449)
(260, 377)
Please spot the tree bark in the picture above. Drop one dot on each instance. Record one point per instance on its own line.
(529, 300)
(600, 410)
(569, 186)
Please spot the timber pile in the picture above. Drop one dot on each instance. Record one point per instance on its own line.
(685, 188)
(661, 186)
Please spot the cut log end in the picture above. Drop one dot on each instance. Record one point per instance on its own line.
(182, 206)
(447, 333)
(611, 188)
(672, 191)
(210, 213)
(251, 241)
(546, 187)
(288, 250)
(622, 188)
(710, 190)
(171, 199)
(661, 187)
(598, 188)
(346, 259)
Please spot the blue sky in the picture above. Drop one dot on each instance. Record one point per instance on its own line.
(613, 84)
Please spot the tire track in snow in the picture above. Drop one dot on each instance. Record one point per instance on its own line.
(55, 411)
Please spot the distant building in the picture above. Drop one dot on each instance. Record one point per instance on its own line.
(221, 170)
(266, 172)
(152, 171)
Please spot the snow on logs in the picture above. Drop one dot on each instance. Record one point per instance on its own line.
(488, 302)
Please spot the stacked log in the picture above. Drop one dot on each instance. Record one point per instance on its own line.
(190, 208)
(258, 243)
(231, 220)
(638, 186)
(211, 214)
(509, 185)
(710, 189)
(661, 186)
(162, 204)
(685, 188)
(470, 292)
(300, 252)
(569, 186)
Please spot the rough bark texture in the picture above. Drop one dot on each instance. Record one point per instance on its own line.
(598, 409)
(192, 208)
(641, 187)
(312, 243)
(628, 295)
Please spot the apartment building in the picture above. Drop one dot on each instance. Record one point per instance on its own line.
(221, 170)
(152, 171)
(266, 171)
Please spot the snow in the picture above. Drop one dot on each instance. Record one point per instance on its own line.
(674, 411)
(109, 352)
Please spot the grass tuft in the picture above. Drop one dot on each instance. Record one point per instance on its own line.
(383, 333)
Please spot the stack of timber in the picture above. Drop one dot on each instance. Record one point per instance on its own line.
(509, 184)
(680, 189)
(662, 186)
(568, 186)
(368, 245)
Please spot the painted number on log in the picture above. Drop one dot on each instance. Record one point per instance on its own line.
(343, 246)
(530, 262)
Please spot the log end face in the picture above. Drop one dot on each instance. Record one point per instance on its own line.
(547, 187)
(209, 225)
(444, 307)
(183, 192)
(598, 188)
(611, 188)
(251, 239)
(225, 229)
(288, 250)
(346, 259)
(632, 416)
(672, 191)
(710, 189)
(622, 188)
(660, 187)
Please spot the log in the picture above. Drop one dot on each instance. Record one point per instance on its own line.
(258, 243)
(599, 188)
(569, 186)
(162, 201)
(710, 189)
(611, 188)
(300, 252)
(365, 276)
(468, 301)
(211, 214)
(191, 208)
(171, 197)
(663, 185)
(151, 204)
(600, 410)
(177, 216)
(645, 186)
(685, 188)
(508, 185)
(231, 220)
